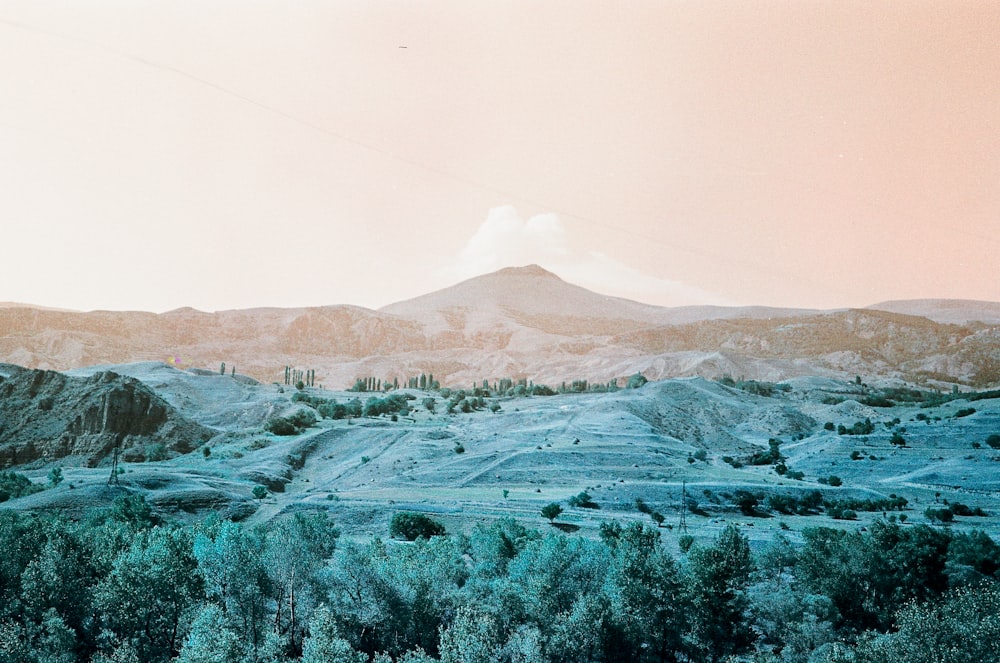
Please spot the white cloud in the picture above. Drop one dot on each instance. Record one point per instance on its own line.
(507, 240)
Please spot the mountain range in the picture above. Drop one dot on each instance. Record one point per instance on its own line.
(526, 322)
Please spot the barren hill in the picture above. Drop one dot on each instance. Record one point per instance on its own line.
(524, 323)
(47, 416)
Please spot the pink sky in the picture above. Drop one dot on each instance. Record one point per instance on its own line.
(234, 154)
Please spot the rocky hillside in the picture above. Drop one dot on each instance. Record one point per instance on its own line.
(525, 322)
(46, 416)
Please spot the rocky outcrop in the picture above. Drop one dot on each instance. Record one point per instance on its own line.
(47, 416)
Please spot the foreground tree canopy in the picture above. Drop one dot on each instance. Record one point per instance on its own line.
(124, 587)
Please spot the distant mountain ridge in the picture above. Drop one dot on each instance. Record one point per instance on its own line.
(525, 322)
(951, 311)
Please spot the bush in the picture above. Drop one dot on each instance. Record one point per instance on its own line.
(993, 441)
(280, 426)
(834, 480)
(156, 452)
(685, 541)
(583, 501)
(303, 418)
(636, 381)
(259, 492)
(944, 515)
(413, 526)
(747, 502)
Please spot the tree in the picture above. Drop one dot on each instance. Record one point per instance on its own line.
(231, 562)
(55, 476)
(292, 569)
(644, 590)
(210, 639)
(324, 644)
(964, 628)
(148, 590)
(714, 586)
(551, 511)
(412, 526)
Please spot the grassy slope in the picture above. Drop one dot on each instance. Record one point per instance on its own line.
(617, 446)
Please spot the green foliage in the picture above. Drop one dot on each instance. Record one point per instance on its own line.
(55, 476)
(635, 381)
(280, 426)
(944, 515)
(746, 502)
(412, 526)
(14, 485)
(865, 427)
(147, 591)
(259, 492)
(716, 597)
(117, 588)
(964, 628)
(210, 639)
(551, 511)
(583, 501)
(324, 644)
(993, 441)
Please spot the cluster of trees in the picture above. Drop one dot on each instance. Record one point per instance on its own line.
(301, 379)
(755, 387)
(498, 388)
(124, 586)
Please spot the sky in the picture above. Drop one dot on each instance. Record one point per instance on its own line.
(243, 153)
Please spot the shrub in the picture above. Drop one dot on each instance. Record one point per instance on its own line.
(259, 492)
(685, 541)
(156, 452)
(944, 515)
(747, 502)
(965, 411)
(55, 476)
(583, 501)
(993, 441)
(413, 526)
(280, 426)
(834, 480)
(636, 381)
(14, 485)
(303, 418)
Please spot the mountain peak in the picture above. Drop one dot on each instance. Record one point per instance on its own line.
(526, 270)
